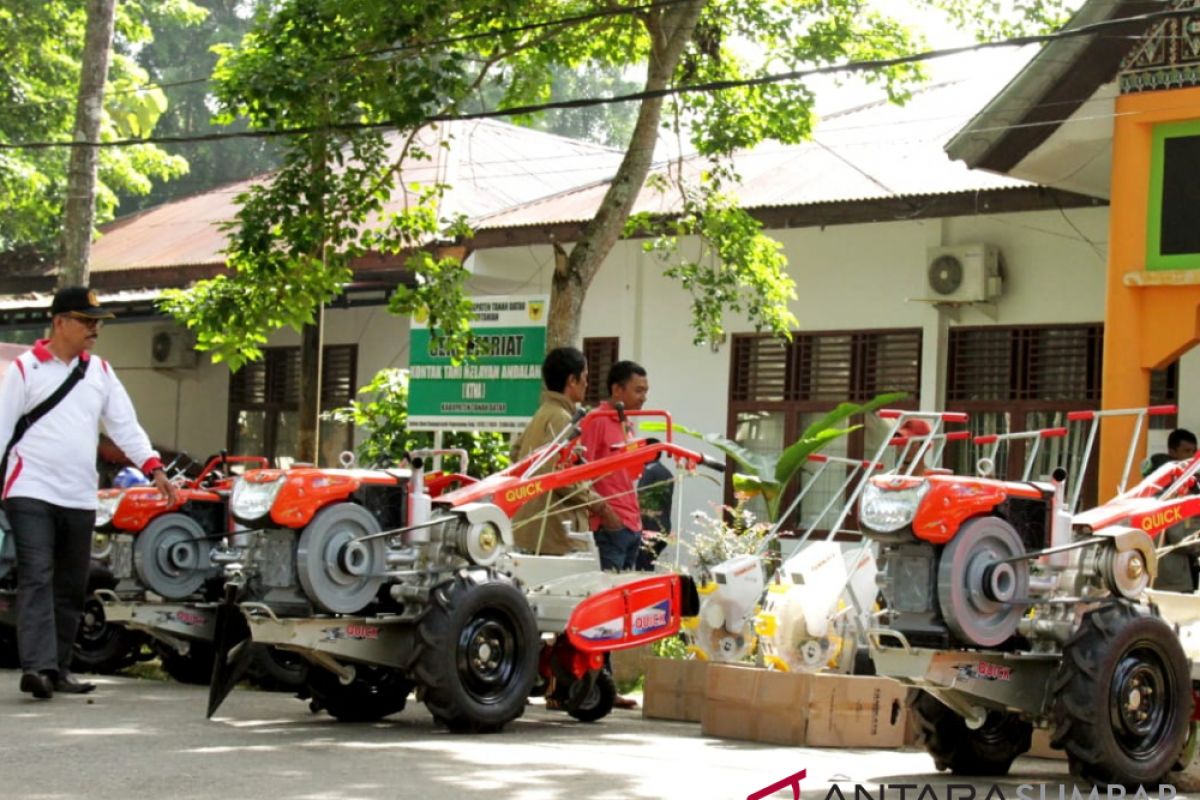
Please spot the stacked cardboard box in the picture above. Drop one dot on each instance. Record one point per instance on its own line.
(814, 710)
(674, 689)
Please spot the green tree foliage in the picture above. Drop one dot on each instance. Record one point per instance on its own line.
(383, 415)
(993, 20)
(179, 58)
(42, 41)
(610, 125)
(324, 66)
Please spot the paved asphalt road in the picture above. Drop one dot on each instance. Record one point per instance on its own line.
(149, 739)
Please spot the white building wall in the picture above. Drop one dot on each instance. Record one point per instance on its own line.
(187, 409)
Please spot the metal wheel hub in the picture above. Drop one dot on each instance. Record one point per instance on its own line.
(487, 657)
(1138, 693)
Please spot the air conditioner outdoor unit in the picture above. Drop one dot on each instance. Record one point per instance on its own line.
(964, 273)
(171, 348)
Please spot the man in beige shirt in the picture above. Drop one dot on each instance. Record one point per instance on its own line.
(540, 526)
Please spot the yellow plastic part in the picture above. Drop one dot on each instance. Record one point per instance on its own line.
(697, 653)
(776, 663)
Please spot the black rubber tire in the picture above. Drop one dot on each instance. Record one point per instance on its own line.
(598, 698)
(101, 646)
(986, 752)
(482, 614)
(195, 668)
(375, 693)
(276, 670)
(1117, 653)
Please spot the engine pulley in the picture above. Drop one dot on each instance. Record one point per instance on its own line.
(979, 592)
(172, 556)
(340, 573)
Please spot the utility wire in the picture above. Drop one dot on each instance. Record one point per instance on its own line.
(589, 102)
(402, 48)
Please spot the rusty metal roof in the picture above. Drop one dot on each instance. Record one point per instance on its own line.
(489, 165)
(880, 150)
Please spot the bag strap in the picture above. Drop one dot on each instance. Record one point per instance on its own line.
(42, 409)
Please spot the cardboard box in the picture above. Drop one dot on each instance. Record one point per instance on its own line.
(1041, 746)
(674, 689)
(814, 710)
(856, 711)
(629, 665)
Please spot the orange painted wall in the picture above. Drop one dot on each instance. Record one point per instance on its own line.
(1145, 328)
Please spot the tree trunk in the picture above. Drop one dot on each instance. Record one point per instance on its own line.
(670, 31)
(310, 392)
(80, 208)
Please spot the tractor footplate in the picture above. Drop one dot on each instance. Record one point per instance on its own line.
(167, 622)
(383, 641)
(997, 680)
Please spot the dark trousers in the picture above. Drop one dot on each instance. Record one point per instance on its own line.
(651, 548)
(54, 552)
(618, 549)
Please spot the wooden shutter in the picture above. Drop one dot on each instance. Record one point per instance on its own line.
(1046, 363)
(338, 375)
(980, 364)
(887, 361)
(601, 353)
(823, 367)
(760, 368)
(248, 386)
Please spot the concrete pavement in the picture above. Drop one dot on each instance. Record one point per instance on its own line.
(142, 738)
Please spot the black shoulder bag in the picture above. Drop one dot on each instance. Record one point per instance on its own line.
(39, 411)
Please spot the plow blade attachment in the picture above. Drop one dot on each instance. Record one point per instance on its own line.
(232, 648)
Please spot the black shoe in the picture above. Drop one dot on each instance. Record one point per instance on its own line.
(69, 684)
(38, 684)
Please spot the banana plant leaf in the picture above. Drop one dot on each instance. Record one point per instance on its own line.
(821, 432)
(756, 463)
(752, 485)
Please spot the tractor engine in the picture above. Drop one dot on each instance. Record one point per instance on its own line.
(949, 570)
(322, 541)
(961, 561)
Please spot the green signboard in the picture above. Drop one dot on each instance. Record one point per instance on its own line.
(499, 390)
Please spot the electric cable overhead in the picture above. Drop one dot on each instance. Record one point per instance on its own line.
(589, 102)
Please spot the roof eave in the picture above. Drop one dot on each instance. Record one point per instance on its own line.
(1057, 81)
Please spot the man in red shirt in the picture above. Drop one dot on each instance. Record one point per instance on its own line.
(603, 436)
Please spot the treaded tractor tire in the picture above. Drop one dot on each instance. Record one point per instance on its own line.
(195, 668)
(276, 670)
(101, 646)
(477, 652)
(597, 702)
(986, 752)
(375, 693)
(1123, 698)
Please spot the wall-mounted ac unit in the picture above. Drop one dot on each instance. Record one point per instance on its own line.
(963, 273)
(171, 348)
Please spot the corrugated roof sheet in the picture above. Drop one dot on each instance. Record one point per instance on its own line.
(875, 151)
(490, 166)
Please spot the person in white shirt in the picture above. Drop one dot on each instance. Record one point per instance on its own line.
(50, 481)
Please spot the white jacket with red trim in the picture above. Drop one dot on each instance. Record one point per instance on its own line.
(55, 460)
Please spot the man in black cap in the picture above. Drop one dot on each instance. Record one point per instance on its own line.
(52, 401)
